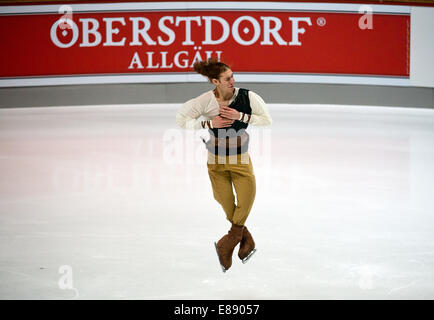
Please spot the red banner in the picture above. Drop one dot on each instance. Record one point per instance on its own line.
(157, 41)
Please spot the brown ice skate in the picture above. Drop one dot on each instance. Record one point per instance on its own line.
(226, 245)
(247, 246)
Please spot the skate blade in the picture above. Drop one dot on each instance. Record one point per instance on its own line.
(249, 256)
(223, 268)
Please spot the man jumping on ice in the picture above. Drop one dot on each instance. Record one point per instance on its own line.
(228, 111)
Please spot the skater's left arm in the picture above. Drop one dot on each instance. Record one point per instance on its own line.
(260, 115)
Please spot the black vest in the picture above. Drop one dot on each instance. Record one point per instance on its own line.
(233, 139)
(241, 104)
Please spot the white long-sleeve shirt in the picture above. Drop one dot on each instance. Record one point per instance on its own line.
(206, 106)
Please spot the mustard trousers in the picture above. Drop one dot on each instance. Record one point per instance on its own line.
(225, 176)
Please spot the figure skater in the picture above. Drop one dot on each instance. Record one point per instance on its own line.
(226, 112)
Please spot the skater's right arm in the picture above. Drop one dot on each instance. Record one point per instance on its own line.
(188, 115)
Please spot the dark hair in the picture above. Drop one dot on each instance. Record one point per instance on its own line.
(211, 68)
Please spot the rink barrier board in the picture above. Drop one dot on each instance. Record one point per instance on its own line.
(48, 71)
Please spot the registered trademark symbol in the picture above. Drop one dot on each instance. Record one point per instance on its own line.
(321, 21)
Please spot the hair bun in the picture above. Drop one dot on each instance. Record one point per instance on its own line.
(211, 68)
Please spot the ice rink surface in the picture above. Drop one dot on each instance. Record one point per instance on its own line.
(114, 202)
